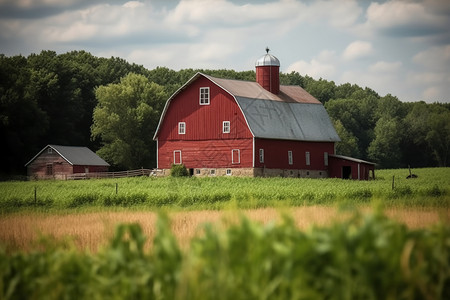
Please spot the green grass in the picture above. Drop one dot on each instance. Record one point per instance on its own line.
(430, 189)
(368, 257)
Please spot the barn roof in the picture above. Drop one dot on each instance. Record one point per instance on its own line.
(75, 155)
(293, 114)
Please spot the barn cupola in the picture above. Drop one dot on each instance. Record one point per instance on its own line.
(268, 72)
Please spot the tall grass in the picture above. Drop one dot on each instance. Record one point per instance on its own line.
(362, 258)
(431, 188)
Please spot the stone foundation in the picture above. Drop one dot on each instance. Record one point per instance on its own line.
(251, 172)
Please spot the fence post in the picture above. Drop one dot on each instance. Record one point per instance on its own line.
(393, 182)
(35, 195)
(117, 187)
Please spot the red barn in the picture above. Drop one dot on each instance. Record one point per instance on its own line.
(218, 126)
(350, 168)
(57, 162)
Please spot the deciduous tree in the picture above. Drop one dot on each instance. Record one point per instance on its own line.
(125, 120)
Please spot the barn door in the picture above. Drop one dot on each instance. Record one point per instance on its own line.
(177, 157)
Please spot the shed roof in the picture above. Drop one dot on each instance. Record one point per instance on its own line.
(75, 155)
(352, 159)
(293, 114)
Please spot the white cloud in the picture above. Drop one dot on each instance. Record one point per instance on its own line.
(322, 66)
(133, 4)
(409, 18)
(435, 58)
(357, 50)
(385, 67)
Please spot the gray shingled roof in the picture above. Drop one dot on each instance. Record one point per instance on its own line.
(288, 120)
(293, 114)
(75, 155)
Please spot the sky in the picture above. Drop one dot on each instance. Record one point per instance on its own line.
(397, 47)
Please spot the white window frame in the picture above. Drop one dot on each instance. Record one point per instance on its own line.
(49, 150)
(181, 127)
(308, 158)
(290, 158)
(226, 127)
(228, 172)
(204, 96)
(325, 159)
(238, 155)
(212, 172)
(174, 157)
(261, 155)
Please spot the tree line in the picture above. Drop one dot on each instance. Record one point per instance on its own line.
(113, 107)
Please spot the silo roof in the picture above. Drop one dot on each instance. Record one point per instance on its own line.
(267, 60)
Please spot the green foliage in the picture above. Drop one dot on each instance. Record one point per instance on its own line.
(50, 98)
(367, 257)
(178, 171)
(125, 119)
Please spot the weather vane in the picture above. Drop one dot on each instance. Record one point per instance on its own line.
(267, 50)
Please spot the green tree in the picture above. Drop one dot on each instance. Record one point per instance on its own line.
(125, 120)
(348, 145)
(438, 137)
(22, 122)
(385, 147)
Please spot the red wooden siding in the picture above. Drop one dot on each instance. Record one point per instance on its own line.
(206, 154)
(269, 78)
(39, 168)
(203, 122)
(348, 169)
(276, 154)
(89, 169)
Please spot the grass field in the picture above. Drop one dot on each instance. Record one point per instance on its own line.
(359, 257)
(430, 189)
(92, 230)
(227, 239)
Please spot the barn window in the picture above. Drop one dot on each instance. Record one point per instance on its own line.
(49, 150)
(212, 172)
(325, 158)
(226, 127)
(197, 171)
(308, 158)
(236, 156)
(204, 96)
(229, 172)
(49, 169)
(290, 158)
(181, 127)
(261, 155)
(177, 157)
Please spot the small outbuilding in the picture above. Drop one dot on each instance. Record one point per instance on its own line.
(350, 168)
(57, 162)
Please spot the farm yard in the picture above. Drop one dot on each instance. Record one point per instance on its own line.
(225, 237)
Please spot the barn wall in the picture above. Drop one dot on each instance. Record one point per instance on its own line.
(276, 154)
(38, 167)
(90, 169)
(205, 154)
(203, 122)
(336, 166)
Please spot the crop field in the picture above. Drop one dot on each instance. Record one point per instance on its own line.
(224, 237)
(391, 188)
